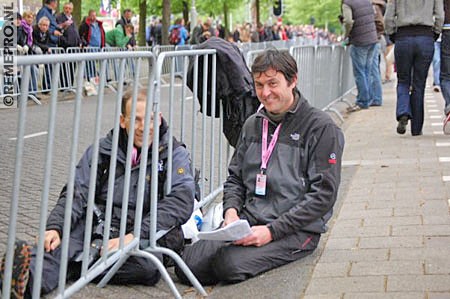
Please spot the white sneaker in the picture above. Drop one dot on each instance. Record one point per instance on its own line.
(446, 126)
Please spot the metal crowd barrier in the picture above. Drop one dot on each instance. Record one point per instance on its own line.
(182, 116)
(304, 56)
(325, 75)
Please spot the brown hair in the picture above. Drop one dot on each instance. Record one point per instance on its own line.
(128, 96)
(280, 61)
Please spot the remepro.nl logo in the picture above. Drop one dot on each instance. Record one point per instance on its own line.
(8, 56)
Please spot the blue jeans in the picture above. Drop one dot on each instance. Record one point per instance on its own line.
(437, 63)
(413, 56)
(445, 69)
(362, 59)
(376, 93)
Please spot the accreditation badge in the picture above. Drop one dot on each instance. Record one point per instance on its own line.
(260, 184)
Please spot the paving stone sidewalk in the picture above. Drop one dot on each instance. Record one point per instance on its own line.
(391, 237)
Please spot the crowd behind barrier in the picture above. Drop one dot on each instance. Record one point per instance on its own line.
(202, 135)
(40, 73)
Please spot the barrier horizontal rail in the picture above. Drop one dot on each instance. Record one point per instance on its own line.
(56, 61)
(204, 156)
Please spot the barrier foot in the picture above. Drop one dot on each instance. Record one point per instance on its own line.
(165, 275)
(183, 267)
(34, 99)
(112, 271)
(337, 113)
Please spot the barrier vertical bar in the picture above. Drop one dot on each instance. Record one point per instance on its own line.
(16, 187)
(45, 193)
(70, 193)
(213, 115)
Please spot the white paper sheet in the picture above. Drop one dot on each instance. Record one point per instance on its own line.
(233, 231)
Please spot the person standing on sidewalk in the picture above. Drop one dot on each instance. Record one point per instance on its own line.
(359, 21)
(413, 25)
(283, 179)
(445, 66)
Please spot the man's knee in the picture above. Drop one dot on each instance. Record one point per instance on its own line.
(229, 268)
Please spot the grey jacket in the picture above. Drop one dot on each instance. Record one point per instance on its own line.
(303, 172)
(402, 13)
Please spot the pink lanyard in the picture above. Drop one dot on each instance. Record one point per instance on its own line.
(267, 152)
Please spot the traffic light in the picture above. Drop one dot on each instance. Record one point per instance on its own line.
(277, 8)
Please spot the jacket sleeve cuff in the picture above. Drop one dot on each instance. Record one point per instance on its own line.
(272, 231)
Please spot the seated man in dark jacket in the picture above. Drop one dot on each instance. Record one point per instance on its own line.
(283, 179)
(174, 208)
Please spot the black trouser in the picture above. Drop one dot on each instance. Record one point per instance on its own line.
(136, 270)
(214, 261)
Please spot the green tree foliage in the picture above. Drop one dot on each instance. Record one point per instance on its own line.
(325, 12)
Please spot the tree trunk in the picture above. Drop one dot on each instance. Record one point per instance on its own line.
(257, 12)
(76, 13)
(226, 18)
(185, 11)
(165, 22)
(142, 25)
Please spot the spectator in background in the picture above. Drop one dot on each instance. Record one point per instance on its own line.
(91, 31)
(237, 33)
(275, 32)
(375, 74)
(92, 35)
(70, 37)
(202, 32)
(361, 33)
(157, 33)
(41, 45)
(445, 66)
(220, 31)
(149, 34)
(183, 33)
(54, 30)
(41, 37)
(22, 36)
(116, 37)
(125, 20)
(261, 32)
(437, 65)
(413, 25)
(26, 42)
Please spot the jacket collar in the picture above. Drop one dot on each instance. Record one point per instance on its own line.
(301, 101)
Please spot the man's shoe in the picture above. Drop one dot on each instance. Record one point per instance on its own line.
(402, 122)
(354, 108)
(446, 126)
(21, 269)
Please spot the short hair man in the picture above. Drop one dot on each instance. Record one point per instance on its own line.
(47, 11)
(125, 20)
(283, 179)
(174, 208)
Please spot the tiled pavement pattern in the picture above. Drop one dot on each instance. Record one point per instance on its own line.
(391, 237)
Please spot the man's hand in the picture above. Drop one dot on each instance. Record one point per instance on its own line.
(113, 244)
(231, 215)
(260, 236)
(57, 33)
(51, 240)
